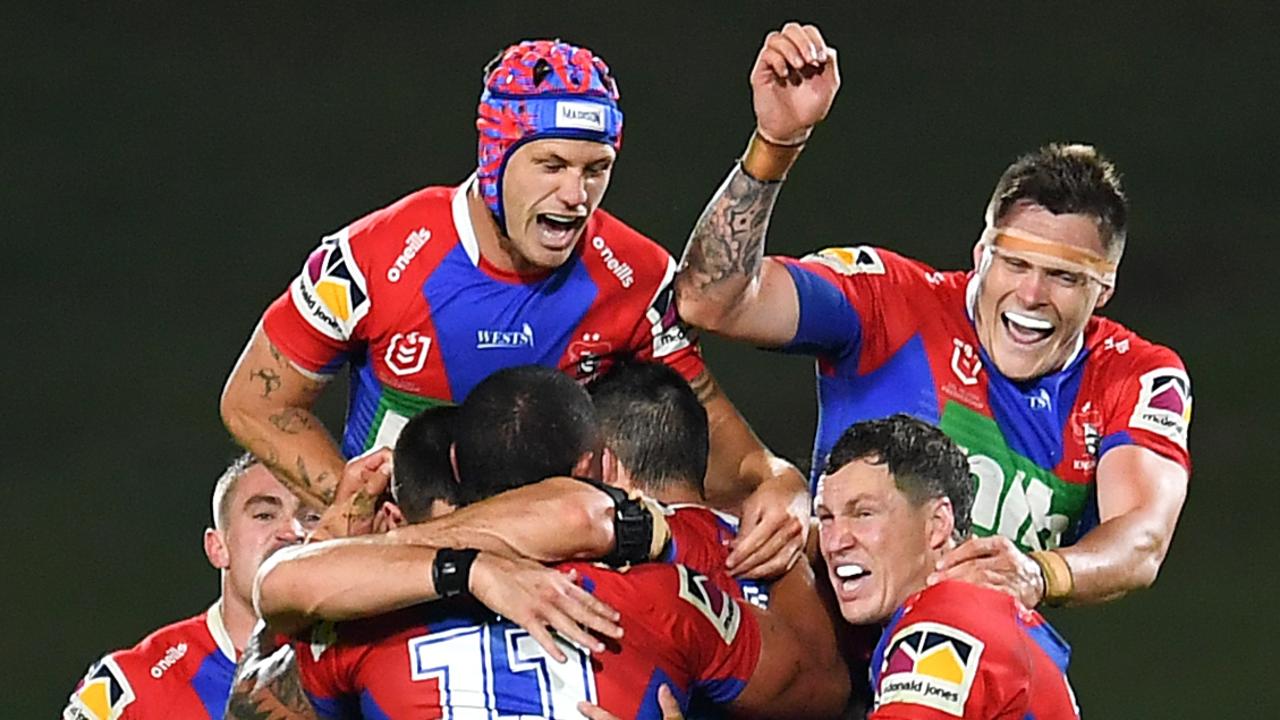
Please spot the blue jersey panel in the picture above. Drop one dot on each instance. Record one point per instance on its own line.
(903, 384)
(485, 325)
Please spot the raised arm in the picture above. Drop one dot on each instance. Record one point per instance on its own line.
(725, 284)
(267, 406)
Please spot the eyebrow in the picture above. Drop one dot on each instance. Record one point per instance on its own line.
(263, 499)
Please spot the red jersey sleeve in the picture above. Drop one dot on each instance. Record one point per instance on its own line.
(662, 337)
(719, 634)
(954, 654)
(1148, 402)
(318, 319)
(326, 667)
(107, 691)
(855, 300)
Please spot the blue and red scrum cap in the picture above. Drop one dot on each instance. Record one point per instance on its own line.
(542, 89)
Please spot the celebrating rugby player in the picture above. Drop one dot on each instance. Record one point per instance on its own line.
(517, 264)
(1076, 427)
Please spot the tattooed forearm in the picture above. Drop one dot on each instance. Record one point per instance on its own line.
(270, 380)
(268, 687)
(291, 420)
(727, 244)
(321, 485)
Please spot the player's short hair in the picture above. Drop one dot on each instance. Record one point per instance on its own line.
(225, 487)
(422, 471)
(1067, 178)
(518, 426)
(652, 420)
(924, 462)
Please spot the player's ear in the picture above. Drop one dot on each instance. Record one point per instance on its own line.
(389, 517)
(1105, 296)
(215, 548)
(590, 465)
(612, 471)
(942, 523)
(453, 461)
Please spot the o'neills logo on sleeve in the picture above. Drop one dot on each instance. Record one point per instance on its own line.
(580, 115)
(623, 271)
(412, 244)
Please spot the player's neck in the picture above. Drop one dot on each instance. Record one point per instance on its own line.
(495, 247)
(238, 617)
(677, 495)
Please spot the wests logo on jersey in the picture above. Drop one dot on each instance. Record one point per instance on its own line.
(1164, 404)
(330, 292)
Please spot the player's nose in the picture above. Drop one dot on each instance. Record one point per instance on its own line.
(572, 190)
(1033, 288)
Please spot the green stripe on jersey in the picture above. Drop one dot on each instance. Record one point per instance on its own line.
(1013, 496)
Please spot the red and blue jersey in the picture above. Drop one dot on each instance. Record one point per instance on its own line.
(445, 659)
(404, 297)
(700, 540)
(958, 650)
(183, 670)
(894, 335)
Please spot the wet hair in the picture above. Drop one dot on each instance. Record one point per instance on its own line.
(423, 472)
(1067, 178)
(924, 462)
(225, 486)
(652, 420)
(518, 426)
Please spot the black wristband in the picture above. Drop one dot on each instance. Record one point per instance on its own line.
(632, 526)
(451, 571)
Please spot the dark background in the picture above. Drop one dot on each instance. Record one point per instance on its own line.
(166, 170)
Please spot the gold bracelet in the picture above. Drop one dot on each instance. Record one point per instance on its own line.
(1058, 581)
(769, 161)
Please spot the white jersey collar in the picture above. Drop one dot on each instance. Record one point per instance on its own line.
(218, 629)
(462, 219)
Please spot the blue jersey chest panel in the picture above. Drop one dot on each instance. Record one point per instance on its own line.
(484, 325)
(212, 682)
(904, 383)
(1033, 415)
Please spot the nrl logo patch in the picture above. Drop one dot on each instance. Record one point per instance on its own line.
(1164, 404)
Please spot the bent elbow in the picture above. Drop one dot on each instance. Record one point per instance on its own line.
(701, 312)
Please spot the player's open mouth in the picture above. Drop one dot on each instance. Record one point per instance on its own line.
(560, 231)
(1025, 329)
(850, 574)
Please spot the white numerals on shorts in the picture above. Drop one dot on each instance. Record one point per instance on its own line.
(501, 672)
(1026, 499)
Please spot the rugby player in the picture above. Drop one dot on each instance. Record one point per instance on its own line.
(184, 670)
(893, 499)
(680, 629)
(516, 265)
(1075, 426)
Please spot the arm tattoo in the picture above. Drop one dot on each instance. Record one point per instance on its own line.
(275, 353)
(319, 486)
(291, 420)
(267, 685)
(270, 380)
(728, 239)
